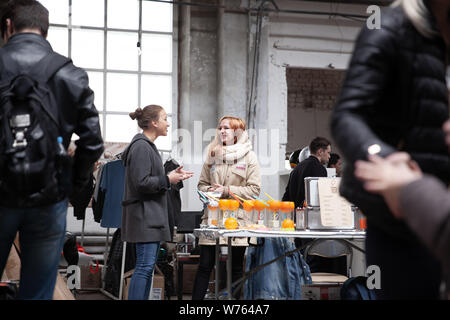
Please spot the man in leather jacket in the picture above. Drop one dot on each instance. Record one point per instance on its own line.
(24, 27)
(394, 98)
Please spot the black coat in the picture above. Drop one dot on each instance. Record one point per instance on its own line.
(145, 215)
(173, 197)
(295, 190)
(394, 95)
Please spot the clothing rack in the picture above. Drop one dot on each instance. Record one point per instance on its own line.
(98, 180)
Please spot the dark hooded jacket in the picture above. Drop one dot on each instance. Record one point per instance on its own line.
(394, 95)
(145, 210)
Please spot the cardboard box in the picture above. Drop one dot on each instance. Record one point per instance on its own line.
(157, 292)
(91, 276)
(189, 273)
(321, 292)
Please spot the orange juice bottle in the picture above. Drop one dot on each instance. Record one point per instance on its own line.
(223, 212)
(287, 214)
(274, 214)
(213, 214)
(260, 208)
(248, 211)
(233, 206)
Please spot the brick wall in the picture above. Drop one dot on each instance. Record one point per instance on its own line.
(312, 88)
(312, 94)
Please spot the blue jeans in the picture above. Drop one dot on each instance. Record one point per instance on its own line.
(41, 238)
(141, 281)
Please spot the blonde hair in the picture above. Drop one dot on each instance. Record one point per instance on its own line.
(235, 123)
(239, 127)
(419, 15)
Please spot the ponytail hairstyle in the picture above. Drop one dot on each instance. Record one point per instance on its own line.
(147, 115)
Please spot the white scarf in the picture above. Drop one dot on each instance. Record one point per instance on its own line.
(218, 153)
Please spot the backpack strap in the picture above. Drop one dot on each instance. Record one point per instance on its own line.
(12, 69)
(46, 68)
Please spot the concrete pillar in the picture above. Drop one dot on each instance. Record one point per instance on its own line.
(220, 59)
(185, 57)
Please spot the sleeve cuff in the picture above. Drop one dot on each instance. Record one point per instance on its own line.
(164, 182)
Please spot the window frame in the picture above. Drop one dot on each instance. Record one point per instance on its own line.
(104, 70)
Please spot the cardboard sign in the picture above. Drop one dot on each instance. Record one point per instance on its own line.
(335, 211)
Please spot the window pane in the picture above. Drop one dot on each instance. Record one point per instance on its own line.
(120, 128)
(87, 48)
(88, 13)
(157, 90)
(96, 84)
(122, 16)
(122, 51)
(58, 38)
(156, 16)
(156, 53)
(165, 142)
(121, 92)
(58, 10)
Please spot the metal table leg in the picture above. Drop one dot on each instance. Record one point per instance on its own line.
(216, 285)
(122, 270)
(180, 279)
(229, 266)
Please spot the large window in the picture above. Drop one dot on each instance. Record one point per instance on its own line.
(102, 36)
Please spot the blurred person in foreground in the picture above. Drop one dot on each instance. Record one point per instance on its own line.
(418, 199)
(39, 213)
(394, 98)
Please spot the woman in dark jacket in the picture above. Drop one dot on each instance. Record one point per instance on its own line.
(395, 98)
(145, 212)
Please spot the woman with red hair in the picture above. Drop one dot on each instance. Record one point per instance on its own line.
(231, 167)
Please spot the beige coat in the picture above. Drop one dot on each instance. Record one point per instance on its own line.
(242, 176)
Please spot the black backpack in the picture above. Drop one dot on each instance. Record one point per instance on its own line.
(356, 289)
(34, 167)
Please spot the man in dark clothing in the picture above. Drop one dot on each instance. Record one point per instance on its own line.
(41, 224)
(320, 149)
(313, 166)
(335, 162)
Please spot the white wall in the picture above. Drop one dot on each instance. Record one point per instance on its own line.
(288, 40)
(303, 41)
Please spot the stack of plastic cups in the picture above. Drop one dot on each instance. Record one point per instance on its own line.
(213, 214)
(223, 212)
(287, 216)
(248, 208)
(273, 214)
